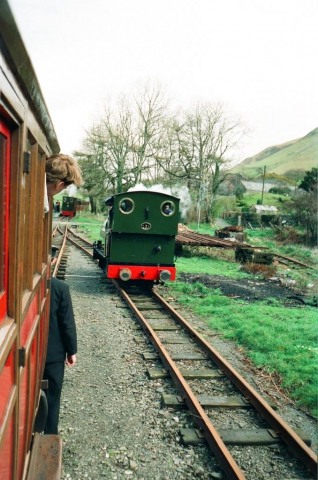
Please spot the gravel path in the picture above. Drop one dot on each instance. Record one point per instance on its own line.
(112, 423)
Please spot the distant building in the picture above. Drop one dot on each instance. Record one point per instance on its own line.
(264, 209)
(231, 185)
(257, 186)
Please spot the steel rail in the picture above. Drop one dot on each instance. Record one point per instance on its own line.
(294, 442)
(213, 438)
(60, 255)
(80, 237)
(55, 230)
(80, 246)
(292, 260)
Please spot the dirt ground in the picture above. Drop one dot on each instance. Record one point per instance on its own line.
(249, 290)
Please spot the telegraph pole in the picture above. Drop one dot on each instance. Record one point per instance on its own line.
(263, 184)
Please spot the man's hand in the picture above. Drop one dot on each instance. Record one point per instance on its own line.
(70, 360)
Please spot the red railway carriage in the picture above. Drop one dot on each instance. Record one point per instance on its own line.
(27, 138)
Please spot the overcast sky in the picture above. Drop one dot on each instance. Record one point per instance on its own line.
(258, 57)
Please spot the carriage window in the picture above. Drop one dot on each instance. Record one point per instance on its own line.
(168, 208)
(126, 205)
(4, 212)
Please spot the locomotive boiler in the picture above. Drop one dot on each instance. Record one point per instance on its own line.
(139, 237)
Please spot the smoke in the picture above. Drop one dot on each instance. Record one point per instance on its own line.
(180, 192)
(185, 199)
(71, 190)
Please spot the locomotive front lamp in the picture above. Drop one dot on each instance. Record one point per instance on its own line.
(164, 275)
(125, 274)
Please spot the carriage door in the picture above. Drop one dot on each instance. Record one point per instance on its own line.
(4, 215)
(8, 389)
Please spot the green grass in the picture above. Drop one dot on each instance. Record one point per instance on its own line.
(300, 155)
(89, 225)
(280, 340)
(224, 203)
(268, 199)
(277, 339)
(210, 266)
(266, 238)
(204, 228)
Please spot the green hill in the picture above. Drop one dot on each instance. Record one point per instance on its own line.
(290, 159)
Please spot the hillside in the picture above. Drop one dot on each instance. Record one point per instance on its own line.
(292, 158)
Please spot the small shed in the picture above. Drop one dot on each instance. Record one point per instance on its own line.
(261, 215)
(264, 210)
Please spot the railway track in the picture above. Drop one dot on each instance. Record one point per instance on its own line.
(158, 319)
(200, 373)
(291, 262)
(61, 235)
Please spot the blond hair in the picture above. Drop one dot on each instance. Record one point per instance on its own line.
(62, 168)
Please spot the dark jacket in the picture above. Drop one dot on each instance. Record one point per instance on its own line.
(62, 331)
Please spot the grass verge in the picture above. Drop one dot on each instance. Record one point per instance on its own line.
(88, 225)
(210, 266)
(279, 340)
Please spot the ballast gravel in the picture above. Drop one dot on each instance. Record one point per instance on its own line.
(112, 422)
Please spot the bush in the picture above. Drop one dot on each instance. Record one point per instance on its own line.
(279, 190)
(289, 235)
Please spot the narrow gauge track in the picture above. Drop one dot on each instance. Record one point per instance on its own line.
(291, 262)
(150, 308)
(62, 234)
(157, 318)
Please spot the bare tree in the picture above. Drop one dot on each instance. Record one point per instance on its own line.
(117, 135)
(91, 160)
(201, 144)
(151, 105)
(105, 156)
(174, 158)
(140, 140)
(122, 145)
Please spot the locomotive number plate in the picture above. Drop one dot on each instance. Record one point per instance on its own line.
(146, 226)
